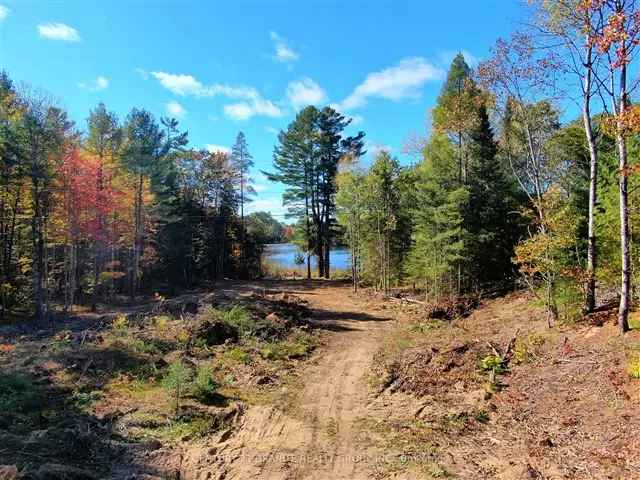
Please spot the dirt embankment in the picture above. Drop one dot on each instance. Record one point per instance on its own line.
(499, 395)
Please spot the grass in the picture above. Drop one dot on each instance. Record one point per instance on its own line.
(298, 345)
(187, 429)
(143, 390)
(21, 401)
(234, 356)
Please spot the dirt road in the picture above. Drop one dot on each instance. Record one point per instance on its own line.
(317, 439)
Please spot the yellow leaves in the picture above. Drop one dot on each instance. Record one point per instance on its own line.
(545, 252)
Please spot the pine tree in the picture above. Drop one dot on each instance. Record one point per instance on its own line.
(143, 146)
(242, 161)
(488, 218)
(439, 238)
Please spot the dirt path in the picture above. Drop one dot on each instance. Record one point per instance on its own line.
(317, 439)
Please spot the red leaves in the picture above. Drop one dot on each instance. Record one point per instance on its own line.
(619, 35)
(85, 199)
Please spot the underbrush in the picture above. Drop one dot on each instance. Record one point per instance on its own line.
(149, 377)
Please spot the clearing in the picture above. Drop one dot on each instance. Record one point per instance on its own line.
(387, 393)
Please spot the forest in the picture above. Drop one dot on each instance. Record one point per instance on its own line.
(506, 191)
(486, 327)
(502, 191)
(123, 208)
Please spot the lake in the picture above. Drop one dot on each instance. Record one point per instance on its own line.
(283, 254)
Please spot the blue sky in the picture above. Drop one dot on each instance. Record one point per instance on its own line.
(222, 67)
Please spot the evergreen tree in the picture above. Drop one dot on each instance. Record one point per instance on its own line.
(241, 162)
(381, 221)
(489, 217)
(439, 237)
(143, 146)
(306, 160)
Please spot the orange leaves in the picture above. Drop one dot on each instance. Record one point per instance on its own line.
(620, 31)
(84, 198)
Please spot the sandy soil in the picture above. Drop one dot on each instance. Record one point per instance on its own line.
(317, 437)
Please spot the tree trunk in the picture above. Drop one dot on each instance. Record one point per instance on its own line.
(98, 247)
(137, 241)
(590, 296)
(625, 287)
(38, 250)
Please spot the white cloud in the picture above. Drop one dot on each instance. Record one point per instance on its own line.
(175, 109)
(58, 31)
(374, 148)
(268, 204)
(217, 148)
(252, 104)
(403, 80)
(305, 92)
(183, 85)
(283, 52)
(255, 106)
(100, 83)
(4, 12)
(272, 130)
(261, 187)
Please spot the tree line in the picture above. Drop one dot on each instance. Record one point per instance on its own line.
(123, 208)
(504, 190)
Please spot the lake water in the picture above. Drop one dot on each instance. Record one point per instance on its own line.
(284, 254)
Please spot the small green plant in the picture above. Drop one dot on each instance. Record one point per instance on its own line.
(177, 381)
(183, 336)
(84, 399)
(633, 368)
(120, 322)
(204, 386)
(493, 363)
(237, 355)
(238, 317)
(145, 346)
(481, 416)
(527, 348)
(298, 345)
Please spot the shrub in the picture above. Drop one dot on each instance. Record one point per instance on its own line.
(204, 385)
(177, 381)
(145, 346)
(299, 345)
(238, 355)
(238, 317)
